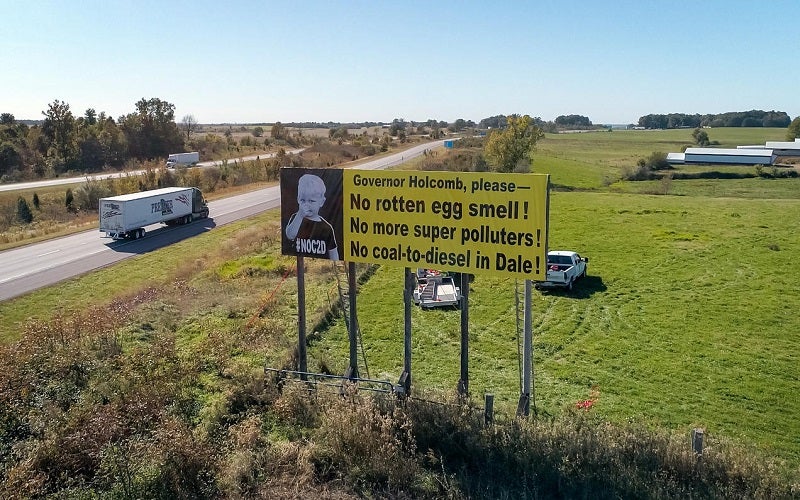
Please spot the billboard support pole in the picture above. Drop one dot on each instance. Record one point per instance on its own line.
(524, 406)
(463, 383)
(301, 317)
(404, 384)
(353, 333)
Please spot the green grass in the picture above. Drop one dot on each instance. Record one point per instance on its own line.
(588, 160)
(720, 188)
(688, 318)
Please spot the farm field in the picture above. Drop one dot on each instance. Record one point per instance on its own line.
(595, 160)
(684, 321)
(688, 317)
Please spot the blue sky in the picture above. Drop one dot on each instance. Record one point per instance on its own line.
(265, 61)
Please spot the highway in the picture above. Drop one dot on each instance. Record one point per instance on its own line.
(30, 267)
(16, 186)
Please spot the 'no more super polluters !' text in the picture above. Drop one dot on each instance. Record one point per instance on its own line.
(447, 210)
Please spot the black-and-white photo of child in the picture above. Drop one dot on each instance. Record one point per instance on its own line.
(307, 231)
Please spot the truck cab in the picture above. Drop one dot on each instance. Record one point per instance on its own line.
(199, 205)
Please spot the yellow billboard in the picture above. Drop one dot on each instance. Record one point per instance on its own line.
(472, 222)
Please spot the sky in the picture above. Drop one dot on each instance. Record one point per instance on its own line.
(238, 61)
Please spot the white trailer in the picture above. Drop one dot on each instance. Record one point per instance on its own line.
(183, 159)
(127, 215)
(436, 290)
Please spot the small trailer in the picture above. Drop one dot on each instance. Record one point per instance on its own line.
(435, 289)
(125, 216)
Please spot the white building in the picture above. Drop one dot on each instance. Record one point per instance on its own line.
(785, 148)
(729, 156)
(676, 158)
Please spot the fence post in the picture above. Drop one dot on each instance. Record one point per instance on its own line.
(488, 411)
(697, 441)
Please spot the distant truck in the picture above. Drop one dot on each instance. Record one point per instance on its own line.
(183, 159)
(564, 268)
(435, 289)
(125, 216)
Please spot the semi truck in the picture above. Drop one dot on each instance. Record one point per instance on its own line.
(183, 159)
(125, 216)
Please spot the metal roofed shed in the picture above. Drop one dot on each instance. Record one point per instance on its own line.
(729, 156)
(675, 158)
(782, 148)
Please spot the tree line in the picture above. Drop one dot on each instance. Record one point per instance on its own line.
(562, 122)
(65, 142)
(752, 118)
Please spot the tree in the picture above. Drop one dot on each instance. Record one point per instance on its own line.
(24, 213)
(510, 149)
(6, 119)
(278, 131)
(59, 129)
(340, 133)
(151, 132)
(458, 125)
(189, 124)
(701, 137)
(112, 141)
(397, 125)
(258, 131)
(793, 132)
(9, 157)
(90, 116)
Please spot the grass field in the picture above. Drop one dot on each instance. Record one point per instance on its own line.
(596, 159)
(688, 317)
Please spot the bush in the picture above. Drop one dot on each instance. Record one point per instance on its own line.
(637, 173)
(776, 173)
(368, 443)
(646, 167)
(368, 150)
(69, 199)
(87, 196)
(656, 161)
